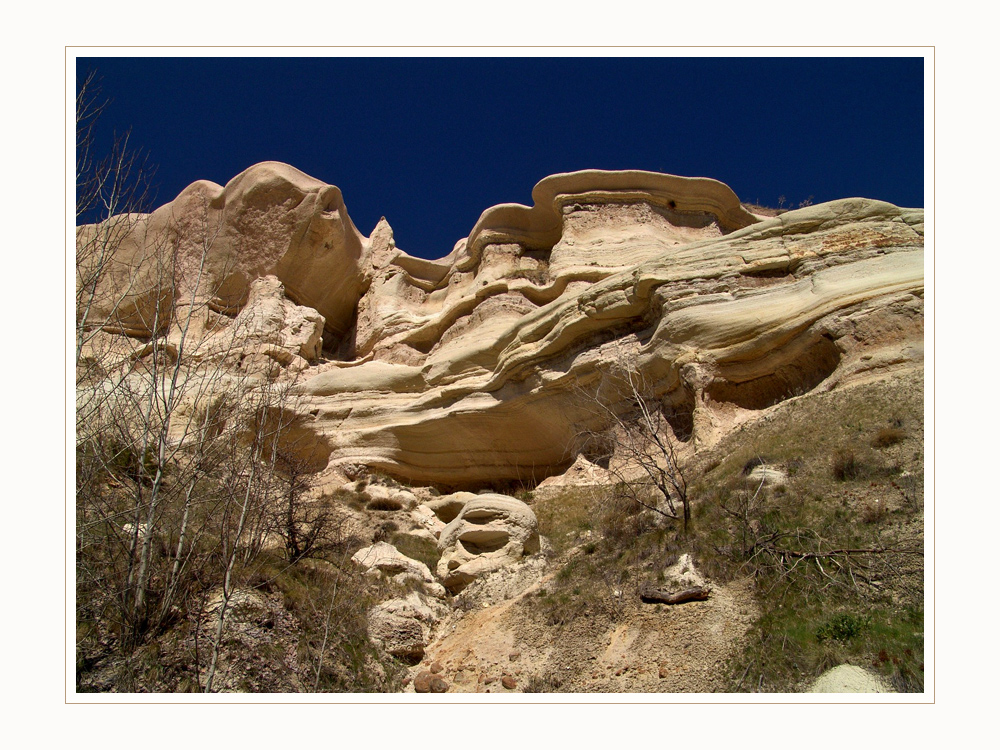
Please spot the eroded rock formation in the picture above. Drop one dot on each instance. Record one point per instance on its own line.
(490, 531)
(476, 368)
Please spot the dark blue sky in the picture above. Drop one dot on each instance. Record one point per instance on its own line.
(430, 143)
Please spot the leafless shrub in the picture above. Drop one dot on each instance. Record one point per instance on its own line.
(888, 436)
(874, 511)
(846, 465)
(384, 504)
(636, 442)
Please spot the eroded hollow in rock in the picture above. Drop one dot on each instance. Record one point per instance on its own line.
(447, 510)
(814, 365)
(481, 517)
(678, 410)
(481, 541)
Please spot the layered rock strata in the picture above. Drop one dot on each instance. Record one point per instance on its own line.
(481, 366)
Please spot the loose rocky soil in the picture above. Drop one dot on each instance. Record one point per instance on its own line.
(509, 634)
(645, 648)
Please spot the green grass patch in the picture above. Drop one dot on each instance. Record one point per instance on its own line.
(818, 609)
(564, 518)
(417, 548)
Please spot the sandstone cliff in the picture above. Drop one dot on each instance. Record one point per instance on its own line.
(475, 368)
(244, 351)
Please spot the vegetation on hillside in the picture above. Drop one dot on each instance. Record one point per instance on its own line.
(205, 561)
(202, 561)
(834, 550)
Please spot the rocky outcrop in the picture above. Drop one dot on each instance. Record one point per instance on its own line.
(490, 532)
(582, 474)
(211, 242)
(477, 368)
(471, 370)
(403, 626)
(269, 328)
(389, 561)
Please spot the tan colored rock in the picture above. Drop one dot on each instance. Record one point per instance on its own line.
(403, 626)
(581, 474)
(427, 520)
(422, 533)
(769, 476)
(849, 679)
(405, 498)
(469, 369)
(268, 328)
(385, 558)
(271, 219)
(492, 531)
(482, 354)
(683, 574)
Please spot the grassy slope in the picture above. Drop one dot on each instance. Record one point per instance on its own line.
(854, 460)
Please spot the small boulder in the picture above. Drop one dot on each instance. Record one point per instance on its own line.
(406, 499)
(849, 679)
(428, 682)
(401, 636)
(391, 562)
(769, 476)
(403, 626)
(683, 574)
(490, 532)
(427, 520)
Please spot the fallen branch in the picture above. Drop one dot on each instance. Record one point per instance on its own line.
(652, 594)
(846, 552)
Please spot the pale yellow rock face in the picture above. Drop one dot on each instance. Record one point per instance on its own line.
(474, 368)
(268, 327)
(271, 219)
(490, 532)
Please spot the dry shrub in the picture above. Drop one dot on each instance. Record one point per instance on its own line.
(874, 511)
(549, 683)
(846, 465)
(888, 436)
(385, 503)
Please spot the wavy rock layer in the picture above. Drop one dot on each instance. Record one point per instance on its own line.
(478, 367)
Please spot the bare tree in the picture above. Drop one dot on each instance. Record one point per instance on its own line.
(636, 439)
(161, 423)
(113, 196)
(187, 473)
(305, 525)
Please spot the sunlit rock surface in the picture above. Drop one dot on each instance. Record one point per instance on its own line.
(478, 367)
